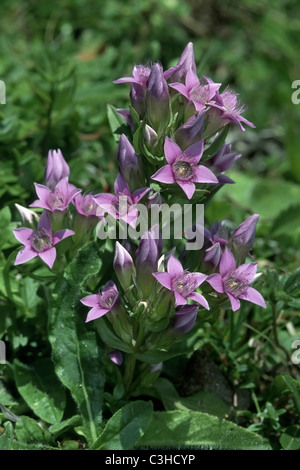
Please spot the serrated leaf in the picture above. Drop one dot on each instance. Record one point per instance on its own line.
(126, 427)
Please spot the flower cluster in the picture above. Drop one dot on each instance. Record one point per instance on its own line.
(173, 150)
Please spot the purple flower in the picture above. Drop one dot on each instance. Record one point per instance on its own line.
(182, 167)
(123, 266)
(185, 63)
(147, 256)
(56, 199)
(231, 110)
(197, 93)
(121, 205)
(242, 239)
(103, 302)
(139, 82)
(85, 205)
(41, 243)
(116, 357)
(182, 283)
(157, 98)
(224, 158)
(184, 319)
(235, 281)
(56, 168)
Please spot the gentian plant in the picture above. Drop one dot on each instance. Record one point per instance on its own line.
(128, 298)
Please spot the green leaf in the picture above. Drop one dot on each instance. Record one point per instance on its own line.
(287, 222)
(180, 429)
(290, 439)
(292, 284)
(6, 439)
(61, 427)
(200, 401)
(30, 432)
(284, 384)
(76, 352)
(126, 427)
(108, 336)
(117, 123)
(41, 390)
(216, 145)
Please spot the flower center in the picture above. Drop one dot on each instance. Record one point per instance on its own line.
(121, 204)
(200, 93)
(41, 241)
(107, 299)
(235, 286)
(184, 284)
(57, 200)
(183, 170)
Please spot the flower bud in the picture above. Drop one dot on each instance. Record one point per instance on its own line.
(129, 164)
(147, 256)
(27, 215)
(185, 63)
(243, 237)
(56, 168)
(213, 255)
(116, 357)
(184, 319)
(191, 131)
(157, 98)
(123, 266)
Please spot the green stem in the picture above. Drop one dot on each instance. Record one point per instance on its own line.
(131, 362)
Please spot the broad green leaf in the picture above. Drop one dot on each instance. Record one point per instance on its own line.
(76, 352)
(124, 430)
(6, 439)
(180, 429)
(40, 389)
(290, 439)
(28, 431)
(108, 336)
(200, 401)
(287, 222)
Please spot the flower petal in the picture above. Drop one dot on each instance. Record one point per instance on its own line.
(204, 175)
(181, 88)
(164, 279)
(23, 235)
(164, 175)
(199, 278)
(247, 270)
(195, 151)
(216, 282)
(179, 300)
(24, 255)
(200, 299)
(172, 150)
(139, 194)
(61, 234)
(44, 223)
(121, 187)
(48, 256)
(227, 262)
(90, 300)
(174, 267)
(42, 192)
(235, 303)
(188, 187)
(95, 313)
(252, 295)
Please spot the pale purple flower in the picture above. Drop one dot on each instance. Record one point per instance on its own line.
(184, 319)
(185, 63)
(139, 82)
(85, 205)
(40, 243)
(116, 357)
(242, 239)
(197, 93)
(230, 109)
(105, 301)
(56, 168)
(122, 205)
(182, 167)
(235, 281)
(182, 283)
(56, 199)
